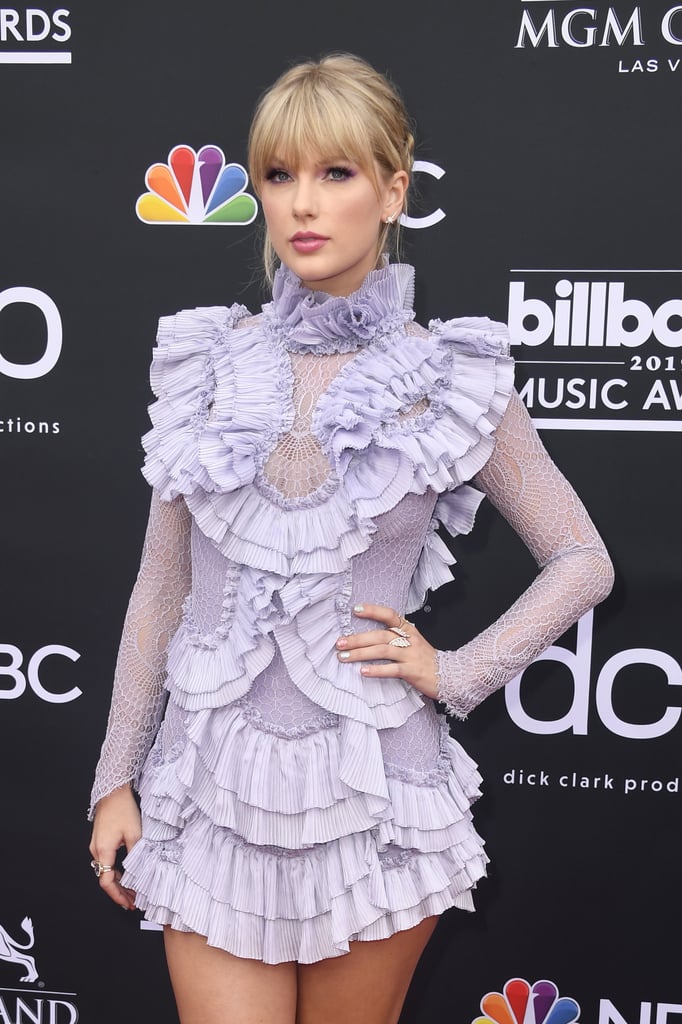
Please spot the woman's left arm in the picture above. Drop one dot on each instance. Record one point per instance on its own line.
(576, 573)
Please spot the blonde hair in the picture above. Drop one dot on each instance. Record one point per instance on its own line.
(336, 106)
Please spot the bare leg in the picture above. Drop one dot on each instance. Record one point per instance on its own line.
(214, 987)
(367, 985)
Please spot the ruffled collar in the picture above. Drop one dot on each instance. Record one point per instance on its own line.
(310, 320)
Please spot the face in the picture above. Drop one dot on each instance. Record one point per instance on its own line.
(324, 218)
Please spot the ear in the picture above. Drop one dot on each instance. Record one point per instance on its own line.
(394, 196)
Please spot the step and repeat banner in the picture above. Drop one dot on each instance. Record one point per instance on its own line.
(546, 194)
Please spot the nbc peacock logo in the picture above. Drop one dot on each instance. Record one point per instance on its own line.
(521, 1003)
(196, 188)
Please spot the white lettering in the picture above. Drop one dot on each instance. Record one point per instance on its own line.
(33, 36)
(618, 310)
(658, 395)
(425, 167)
(9, 20)
(579, 664)
(591, 314)
(59, 22)
(608, 1014)
(520, 309)
(12, 670)
(53, 323)
(607, 677)
(663, 1010)
(534, 35)
(37, 25)
(59, 1018)
(33, 671)
(33, 1017)
(567, 25)
(666, 26)
(667, 336)
(38, 1011)
(613, 28)
(605, 394)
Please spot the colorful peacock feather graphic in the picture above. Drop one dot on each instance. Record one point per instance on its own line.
(196, 188)
(519, 1003)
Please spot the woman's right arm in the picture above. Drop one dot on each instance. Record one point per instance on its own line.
(137, 703)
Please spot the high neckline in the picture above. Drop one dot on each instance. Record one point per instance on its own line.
(314, 321)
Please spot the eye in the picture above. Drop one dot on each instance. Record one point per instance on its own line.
(277, 175)
(340, 173)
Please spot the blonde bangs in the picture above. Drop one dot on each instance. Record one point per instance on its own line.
(306, 124)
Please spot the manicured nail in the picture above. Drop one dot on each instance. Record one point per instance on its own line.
(364, 671)
(358, 608)
(345, 655)
(341, 642)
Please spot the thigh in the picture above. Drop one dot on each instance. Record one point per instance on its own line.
(368, 985)
(214, 987)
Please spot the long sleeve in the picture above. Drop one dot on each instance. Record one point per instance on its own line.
(152, 618)
(576, 573)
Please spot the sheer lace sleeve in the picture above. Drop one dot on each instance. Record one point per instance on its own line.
(527, 488)
(152, 618)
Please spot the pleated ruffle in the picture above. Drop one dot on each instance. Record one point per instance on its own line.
(296, 872)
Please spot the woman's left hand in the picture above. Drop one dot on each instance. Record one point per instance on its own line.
(415, 663)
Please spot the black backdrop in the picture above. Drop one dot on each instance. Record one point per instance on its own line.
(557, 129)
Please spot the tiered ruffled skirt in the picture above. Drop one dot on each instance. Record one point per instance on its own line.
(252, 839)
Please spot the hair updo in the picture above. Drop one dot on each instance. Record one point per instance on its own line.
(337, 106)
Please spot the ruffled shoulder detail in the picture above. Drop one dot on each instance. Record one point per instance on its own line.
(479, 380)
(417, 412)
(183, 379)
(477, 388)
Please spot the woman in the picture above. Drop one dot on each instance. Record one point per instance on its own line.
(305, 815)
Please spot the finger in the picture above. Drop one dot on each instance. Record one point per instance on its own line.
(368, 639)
(379, 612)
(110, 882)
(379, 652)
(104, 853)
(387, 670)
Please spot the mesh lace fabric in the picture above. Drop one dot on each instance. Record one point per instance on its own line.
(297, 466)
(153, 615)
(519, 478)
(527, 488)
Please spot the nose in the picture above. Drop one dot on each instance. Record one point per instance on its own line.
(304, 203)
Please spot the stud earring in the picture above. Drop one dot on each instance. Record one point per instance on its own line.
(389, 220)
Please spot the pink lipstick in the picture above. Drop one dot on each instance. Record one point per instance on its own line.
(307, 241)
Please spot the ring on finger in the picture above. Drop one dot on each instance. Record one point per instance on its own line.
(400, 631)
(100, 868)
(400, 640)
